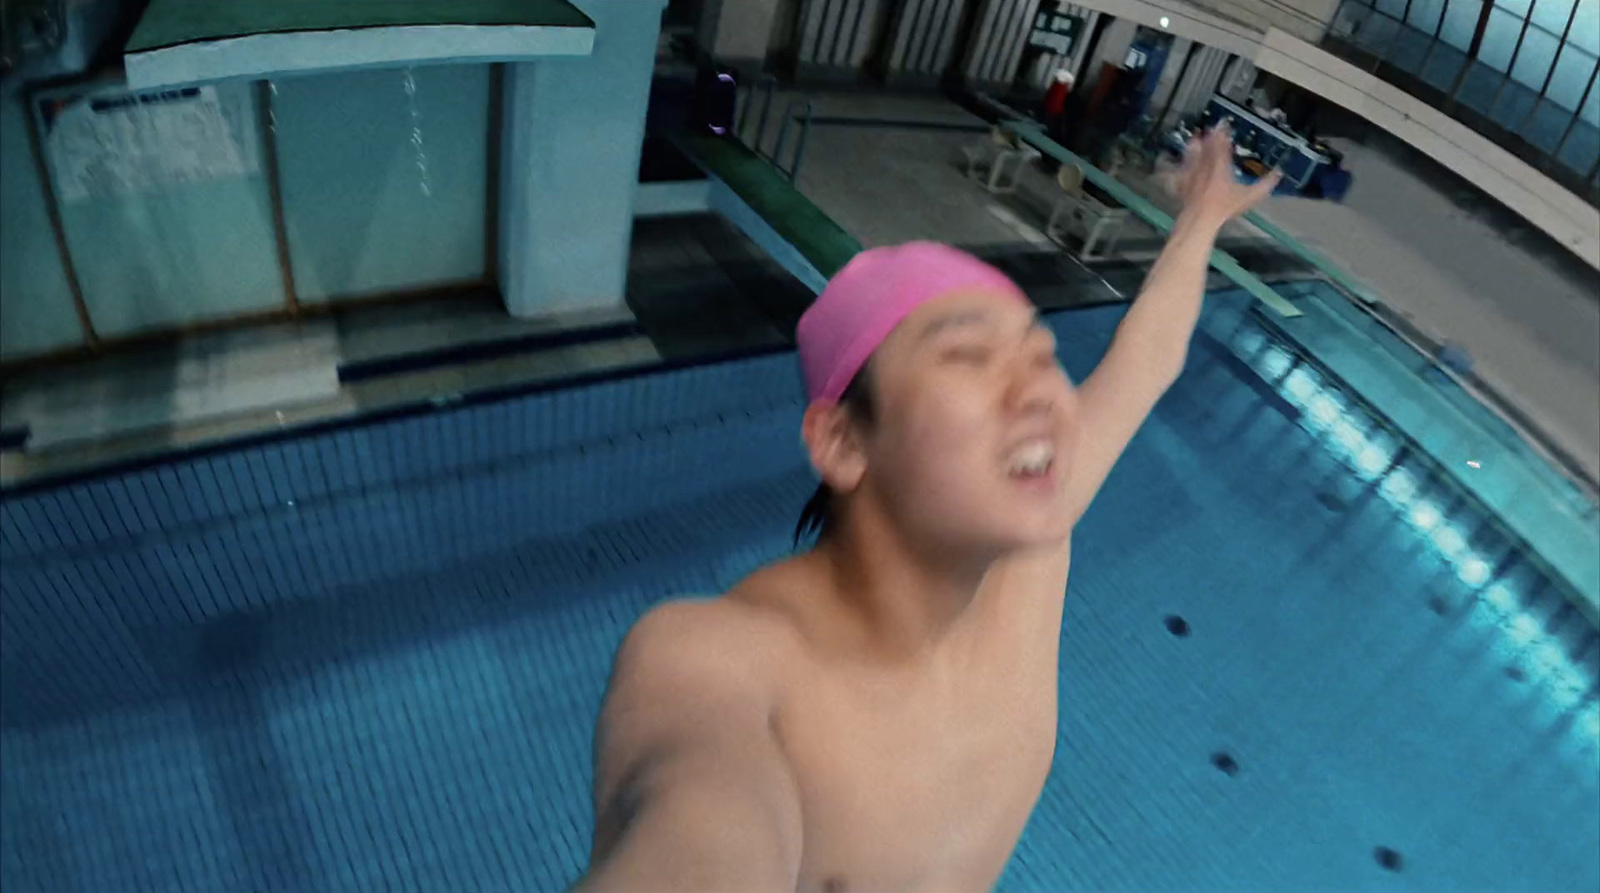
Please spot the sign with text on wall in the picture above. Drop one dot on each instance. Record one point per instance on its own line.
(109, 144)
(1054, 32)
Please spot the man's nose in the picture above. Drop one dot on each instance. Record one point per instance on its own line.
(1032, 385)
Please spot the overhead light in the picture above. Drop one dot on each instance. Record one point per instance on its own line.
(1165, 21)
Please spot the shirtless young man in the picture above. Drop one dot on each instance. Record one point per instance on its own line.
(880, 713)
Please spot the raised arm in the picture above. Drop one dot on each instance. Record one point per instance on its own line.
(1146, 354)
(1150, 345)
(692, 791)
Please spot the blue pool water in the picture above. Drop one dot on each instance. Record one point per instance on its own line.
(371, 657)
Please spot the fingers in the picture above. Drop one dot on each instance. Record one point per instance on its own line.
(1264, 186)
(1215, 148)
(1202, 140)
(1192, 153)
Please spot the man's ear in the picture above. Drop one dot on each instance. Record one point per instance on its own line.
(833, 445)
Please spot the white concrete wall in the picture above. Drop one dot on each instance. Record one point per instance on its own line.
(573, 130)
(1307, 19)
(1185, 20)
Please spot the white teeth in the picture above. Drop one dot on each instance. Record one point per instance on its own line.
(1032, 458)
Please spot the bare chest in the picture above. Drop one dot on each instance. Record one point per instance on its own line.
(918, 786)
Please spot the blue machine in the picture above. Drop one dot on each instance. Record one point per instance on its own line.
(1273, 146)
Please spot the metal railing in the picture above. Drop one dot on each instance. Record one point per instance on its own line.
(798, 110)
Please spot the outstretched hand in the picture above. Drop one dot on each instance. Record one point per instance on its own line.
(1207, 183)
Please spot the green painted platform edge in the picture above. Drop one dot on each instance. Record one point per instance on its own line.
(791, 215)
(168, 23)
(1569, 553)
(1034, 135)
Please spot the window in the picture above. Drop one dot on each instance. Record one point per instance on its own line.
(1424, 15)
(1572, 73)
(1534, 59)
(1460, 20)
(1551, 15)
(1585, 31)
(1499, 39)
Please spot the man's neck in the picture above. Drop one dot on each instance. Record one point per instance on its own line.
(904, 600)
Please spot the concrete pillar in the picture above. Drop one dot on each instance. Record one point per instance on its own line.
(1091, 19)
(1199, 84)
(736, 32)
(1113, 48)
(1167, 81)
(571, 135)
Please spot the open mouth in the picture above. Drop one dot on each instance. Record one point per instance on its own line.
(1031, 461)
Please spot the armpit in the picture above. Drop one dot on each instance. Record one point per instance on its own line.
(626, 800)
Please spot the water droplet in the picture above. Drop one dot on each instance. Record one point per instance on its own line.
(410, 83)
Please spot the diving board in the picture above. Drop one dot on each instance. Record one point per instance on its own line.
(764, 204)
(190, 41)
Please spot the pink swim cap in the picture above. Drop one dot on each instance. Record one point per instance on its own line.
(867, 299)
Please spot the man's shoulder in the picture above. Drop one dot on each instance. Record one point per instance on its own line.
(722, 640)
(704, 621)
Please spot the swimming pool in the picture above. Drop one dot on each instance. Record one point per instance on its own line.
(370, 657)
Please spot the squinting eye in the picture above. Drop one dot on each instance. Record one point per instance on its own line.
(975, 355)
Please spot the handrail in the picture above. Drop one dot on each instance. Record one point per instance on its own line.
(800, 143)
(765, 87)
(789, 117)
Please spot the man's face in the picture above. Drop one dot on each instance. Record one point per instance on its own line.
(975, 425)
